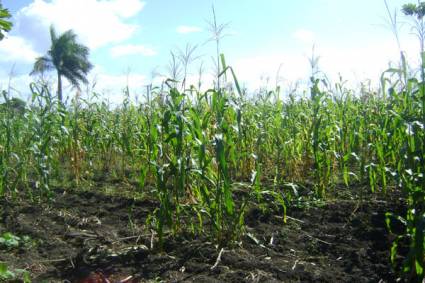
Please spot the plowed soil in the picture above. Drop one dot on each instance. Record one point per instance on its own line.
(83, 236)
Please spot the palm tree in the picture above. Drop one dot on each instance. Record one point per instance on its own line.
(68, 57)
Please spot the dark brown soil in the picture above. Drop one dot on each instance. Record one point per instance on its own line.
(81, 233)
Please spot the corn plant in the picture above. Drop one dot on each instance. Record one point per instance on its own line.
(45, 127)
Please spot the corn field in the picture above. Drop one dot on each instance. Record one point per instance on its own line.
(207, 156)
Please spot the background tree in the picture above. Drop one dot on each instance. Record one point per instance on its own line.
(5, 25)
(68, 57)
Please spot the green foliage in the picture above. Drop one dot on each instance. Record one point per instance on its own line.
(7, 274)
(411, 9)
(10, 241)
(14, 104)
(5, 24)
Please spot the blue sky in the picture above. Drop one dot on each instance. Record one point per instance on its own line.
(131, 40)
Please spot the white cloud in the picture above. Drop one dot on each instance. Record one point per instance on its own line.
(123, 8)
(188, 29)
(366, 62)
(304, 35)
(355, 64)
(16, 49)
(97, 23)
(254, 71)
(132, 49)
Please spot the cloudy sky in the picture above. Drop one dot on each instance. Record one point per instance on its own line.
(131, 40)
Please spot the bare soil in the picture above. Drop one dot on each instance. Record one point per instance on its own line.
(83, 236)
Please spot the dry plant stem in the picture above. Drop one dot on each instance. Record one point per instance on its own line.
(316, 239)
(218, 260)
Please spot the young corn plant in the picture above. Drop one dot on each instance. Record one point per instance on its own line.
(319, 153)
(46, 123)
(225, 218)
(170, 158)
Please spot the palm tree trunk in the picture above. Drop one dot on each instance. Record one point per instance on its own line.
(60, 87)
